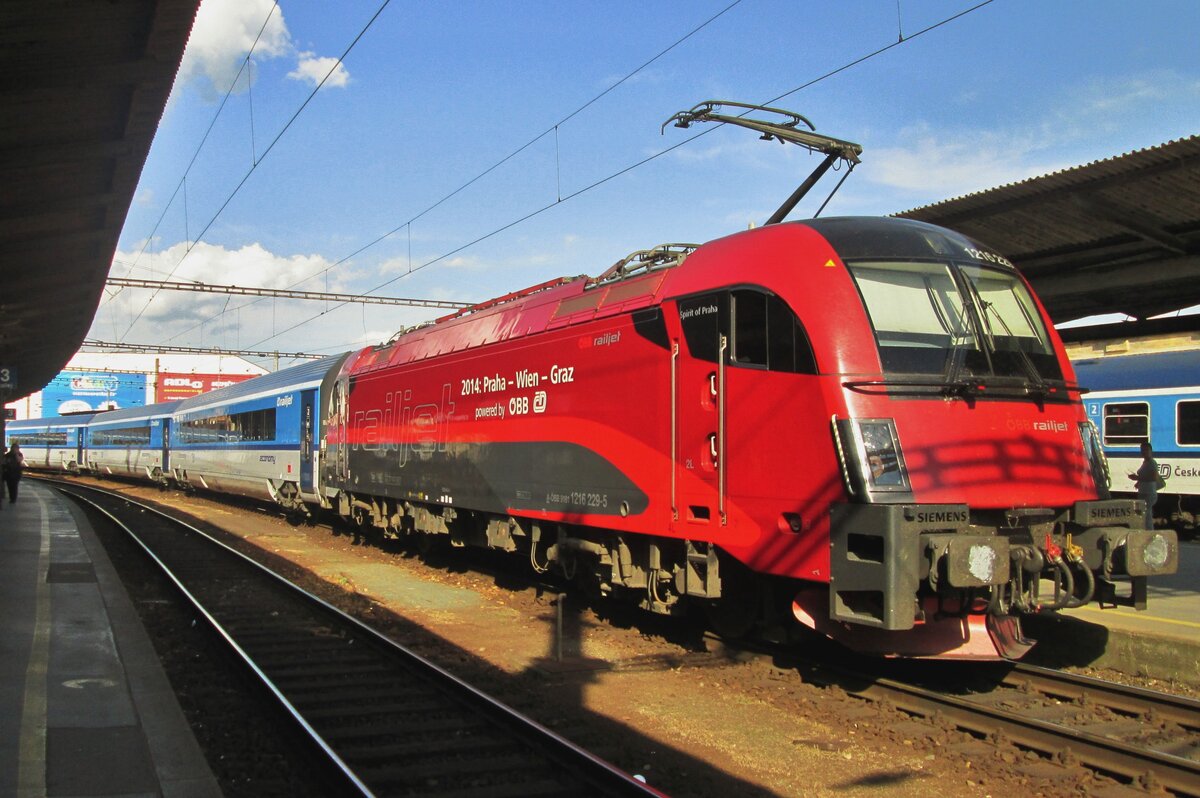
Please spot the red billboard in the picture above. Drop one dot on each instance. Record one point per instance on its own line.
(184, 386)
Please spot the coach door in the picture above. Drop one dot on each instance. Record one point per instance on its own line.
(166, 445)
(307, 429)
(81, 441)
(698, 389)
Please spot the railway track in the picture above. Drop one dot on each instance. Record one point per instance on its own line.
(1138, 737)
(389, 721)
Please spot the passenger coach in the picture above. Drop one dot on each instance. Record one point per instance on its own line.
(1154, 398)
(55, 444)
(132, 442)
(257, 438)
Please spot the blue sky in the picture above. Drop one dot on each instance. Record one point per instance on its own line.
(433, 95)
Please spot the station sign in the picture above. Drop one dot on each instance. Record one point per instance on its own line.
(90, 391)
(8, 378)
(184, 386)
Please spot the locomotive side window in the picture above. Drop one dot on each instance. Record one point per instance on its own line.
(765, 333)
(1126, 423)
(703, 319)
(1187, 423)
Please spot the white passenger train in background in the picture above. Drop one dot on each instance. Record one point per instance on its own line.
(258, 438)
(1155, 398)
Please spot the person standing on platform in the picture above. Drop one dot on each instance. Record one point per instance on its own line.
(1149, 482)
(14, 463)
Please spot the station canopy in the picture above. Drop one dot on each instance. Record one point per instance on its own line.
(85, 84)
(1120, 235)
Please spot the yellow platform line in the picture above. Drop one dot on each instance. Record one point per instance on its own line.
(1140, 616)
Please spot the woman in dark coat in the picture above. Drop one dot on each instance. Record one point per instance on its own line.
(14, 463)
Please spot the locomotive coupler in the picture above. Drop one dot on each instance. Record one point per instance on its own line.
(881, 554)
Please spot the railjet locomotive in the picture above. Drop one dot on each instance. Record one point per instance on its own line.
(867, 421)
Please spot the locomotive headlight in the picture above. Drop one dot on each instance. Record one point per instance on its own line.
(868, 450)
(879, 453)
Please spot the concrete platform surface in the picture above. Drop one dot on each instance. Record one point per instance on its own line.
(85, 708)
(1161, 642)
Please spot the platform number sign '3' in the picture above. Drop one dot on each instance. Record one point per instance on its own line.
(8, 378)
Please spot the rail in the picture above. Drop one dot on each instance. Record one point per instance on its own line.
(389, 720)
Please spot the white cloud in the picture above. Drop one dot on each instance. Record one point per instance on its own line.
(186, 318)
(314, 69)
(950, 164)
(222, 36)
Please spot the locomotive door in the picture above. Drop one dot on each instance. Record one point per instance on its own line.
(307, 403)
(698, 377)
(81, 442)
(341, 463)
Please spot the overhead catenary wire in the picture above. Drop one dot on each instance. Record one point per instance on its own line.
(625, 170)
(204, 139)
(407, 225)
(266, 152)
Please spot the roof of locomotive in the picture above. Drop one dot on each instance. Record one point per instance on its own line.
(305, 374)
(1133, 372)
(566, 301)
(859, 237)
(138, 413)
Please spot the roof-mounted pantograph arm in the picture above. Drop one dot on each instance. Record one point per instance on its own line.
(788, 129)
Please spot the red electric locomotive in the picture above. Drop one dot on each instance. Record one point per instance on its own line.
(867, 422)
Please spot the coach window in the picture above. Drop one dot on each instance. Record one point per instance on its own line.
(1187, 423)
(1126, 424)
(40, 439)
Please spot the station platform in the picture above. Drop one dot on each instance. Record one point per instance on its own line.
(1160, 642)
(85, 708)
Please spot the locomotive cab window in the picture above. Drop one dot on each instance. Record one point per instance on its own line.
(1126, 423)
(763, 331)
(954, 320)
(1187, 423)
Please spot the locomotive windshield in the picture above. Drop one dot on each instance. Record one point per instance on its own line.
(954, 320)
